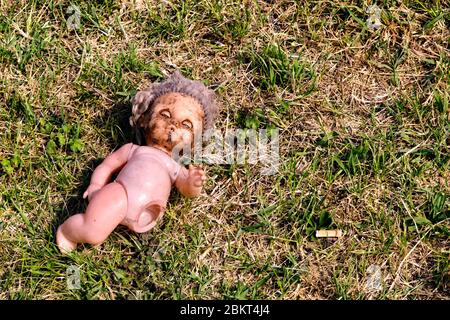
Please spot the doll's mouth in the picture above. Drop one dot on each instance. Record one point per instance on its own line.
(172, 136)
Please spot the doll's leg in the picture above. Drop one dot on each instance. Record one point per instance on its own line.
(104, 213)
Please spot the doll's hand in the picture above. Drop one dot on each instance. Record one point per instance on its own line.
(91, 190)
(196, 176)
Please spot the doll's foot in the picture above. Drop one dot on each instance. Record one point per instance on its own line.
(64, 244)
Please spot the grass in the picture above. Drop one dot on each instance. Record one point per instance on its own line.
(364, 147)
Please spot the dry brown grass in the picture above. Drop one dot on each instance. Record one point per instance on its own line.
(202, 249)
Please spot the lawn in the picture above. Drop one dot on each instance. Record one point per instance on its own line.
(363, 118)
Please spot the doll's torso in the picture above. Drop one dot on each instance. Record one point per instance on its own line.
(147, 178)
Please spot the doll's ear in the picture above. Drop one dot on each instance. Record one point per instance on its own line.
(139, 104)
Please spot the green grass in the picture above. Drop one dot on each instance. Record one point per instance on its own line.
(364, 147)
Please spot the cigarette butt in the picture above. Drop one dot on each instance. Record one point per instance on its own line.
(328, 233)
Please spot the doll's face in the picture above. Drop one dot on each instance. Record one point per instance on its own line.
(176, 119)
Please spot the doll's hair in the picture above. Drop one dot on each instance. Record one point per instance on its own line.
(143, 101)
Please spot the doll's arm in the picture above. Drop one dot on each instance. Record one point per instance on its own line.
(190, 182)
(102, 174)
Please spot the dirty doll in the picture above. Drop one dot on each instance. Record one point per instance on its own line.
(167, 114)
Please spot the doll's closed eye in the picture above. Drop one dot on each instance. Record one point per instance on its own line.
(187, 124)
(165, 113)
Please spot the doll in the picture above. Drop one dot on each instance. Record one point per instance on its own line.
(165, 115)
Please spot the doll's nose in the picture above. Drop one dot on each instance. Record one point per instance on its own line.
(173, 125)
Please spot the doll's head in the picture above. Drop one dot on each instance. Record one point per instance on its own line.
(176, 119)
(174, 112)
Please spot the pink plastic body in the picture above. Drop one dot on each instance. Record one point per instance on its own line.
(147, 179)
(136, 199)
